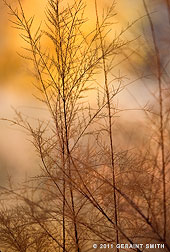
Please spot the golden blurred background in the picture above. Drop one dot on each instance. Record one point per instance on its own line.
(16, 82)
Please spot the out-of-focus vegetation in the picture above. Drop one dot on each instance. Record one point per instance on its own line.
(103, 175)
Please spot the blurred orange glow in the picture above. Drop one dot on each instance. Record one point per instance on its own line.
(15, 81)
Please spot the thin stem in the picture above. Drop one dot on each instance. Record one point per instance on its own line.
(162, 144)
(110, 128)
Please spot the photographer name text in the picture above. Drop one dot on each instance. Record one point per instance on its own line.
(128, 246)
